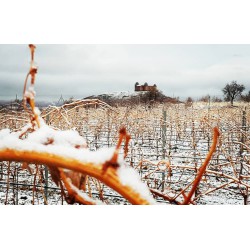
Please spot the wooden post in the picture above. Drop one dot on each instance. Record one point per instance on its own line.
(46, 184)
(46, 173)
(243, 140)
(108, 128)
(243, 135)
(164, 134)
(16, 184)
(163, 181)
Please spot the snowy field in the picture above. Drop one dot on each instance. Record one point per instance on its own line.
(168, 145)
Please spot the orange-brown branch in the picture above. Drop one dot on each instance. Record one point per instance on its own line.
(203, 167)
(164, 196)
(72, 193)
(109, 178)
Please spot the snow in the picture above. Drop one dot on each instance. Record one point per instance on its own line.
(63, 143)
(162, 167)
(66, 138)
(4, 133)
(121, 94)
(129, 177)
(37, 111)
(147, 144)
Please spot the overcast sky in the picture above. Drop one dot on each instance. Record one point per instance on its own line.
(82, 70)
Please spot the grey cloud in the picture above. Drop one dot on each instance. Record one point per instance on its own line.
(81, 70)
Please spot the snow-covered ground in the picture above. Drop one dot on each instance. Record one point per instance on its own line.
(182, 137)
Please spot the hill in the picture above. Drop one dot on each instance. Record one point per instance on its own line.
(127, 97)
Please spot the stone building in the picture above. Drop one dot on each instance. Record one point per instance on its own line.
(145, 87)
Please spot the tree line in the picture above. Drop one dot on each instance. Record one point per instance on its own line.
(231, 92)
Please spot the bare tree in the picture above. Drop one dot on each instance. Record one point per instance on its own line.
(246, 98)
(233, 90)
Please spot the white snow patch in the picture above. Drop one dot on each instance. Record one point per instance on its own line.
(4, 133)
(162, 167)
(121, 94)
(63, 145)
(129, 177)
(66, 138)
(37, 111)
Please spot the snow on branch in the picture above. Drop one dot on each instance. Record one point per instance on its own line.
(67, 150)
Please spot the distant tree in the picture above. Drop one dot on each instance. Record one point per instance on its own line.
(205, 98)
(189, 101)
(233, 90)
(216, 99)
(246, 98)
(152, 96)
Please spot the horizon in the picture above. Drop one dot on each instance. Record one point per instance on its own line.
(55, 98)
(193, 70)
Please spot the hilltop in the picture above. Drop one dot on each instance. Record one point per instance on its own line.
(129, 97)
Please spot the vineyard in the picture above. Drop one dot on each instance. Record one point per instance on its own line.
(87, 152)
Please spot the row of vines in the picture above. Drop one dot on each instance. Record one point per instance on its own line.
(87, 152)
